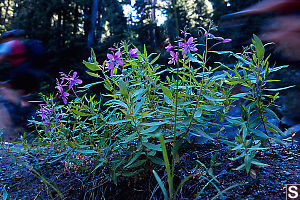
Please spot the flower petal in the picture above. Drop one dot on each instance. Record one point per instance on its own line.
(110, 56)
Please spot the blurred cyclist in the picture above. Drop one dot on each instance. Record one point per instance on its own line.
(283, 30)
(23, 77)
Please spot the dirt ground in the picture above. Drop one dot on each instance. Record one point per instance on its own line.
(268, 184)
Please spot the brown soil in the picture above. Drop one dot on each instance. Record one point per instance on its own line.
(268, 184)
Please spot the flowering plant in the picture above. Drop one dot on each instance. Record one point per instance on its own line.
(188, 101)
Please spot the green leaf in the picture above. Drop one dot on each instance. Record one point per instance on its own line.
(187, 120)
(135, 157)
(137, 163)
(279, 141)
(123, 88)
(240, 95)
(259, 133)
(272, 127)
(198, 113)
(177, 145)
(99, 165)
(260, 49)
(200, 133)
(154, 123)
(119, 121)
(155, 59)
(247, 162)
(210, 107)
(93, 56)
(167, 164)
(117, 102)
(169, 101)
(161, 185)
(156, 160)
(238, 147)
(256, 162)
(129, 138)
(245, 132)
(137, 94)
(149, 130)
(193, 58)
(274, 69)
(212, 98)
(235, 121)
(151, 146)
(80, 113)
(278, 89)
(242, 166)
(181, 184)
(86, 151)
(166, 92)
(89, 85)
(91, 66)
(92, 74)
(4, 194)
(228, 143)
(138, 106)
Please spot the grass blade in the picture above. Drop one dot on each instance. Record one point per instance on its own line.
(161, 185)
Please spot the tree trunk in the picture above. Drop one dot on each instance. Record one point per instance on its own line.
(91, 34)
(76, 17)
(100, 22)
(153, 19)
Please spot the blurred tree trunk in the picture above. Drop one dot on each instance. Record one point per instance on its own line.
(58, 32)
(75, 21)
(100, 22)
(153, 19)
(91, 33)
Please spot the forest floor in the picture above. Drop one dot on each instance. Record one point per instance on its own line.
(269, 182)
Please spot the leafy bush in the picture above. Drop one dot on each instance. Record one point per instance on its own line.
(186, 99)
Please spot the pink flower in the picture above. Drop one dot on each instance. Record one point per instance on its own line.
(133, 53)
(45, 112)
(63, 95)
(73, 80)
(173, 58)
(169, 48)
(48, 125)
(187, 46)
(114, 60)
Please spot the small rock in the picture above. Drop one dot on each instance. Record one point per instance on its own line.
(287, 173)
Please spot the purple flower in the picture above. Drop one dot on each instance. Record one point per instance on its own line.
(63, 94)
(226, 40)
(173, 58)
(48, 125)
(169, 48)
(133, 53)
(114, 59)
(73, 80)
(187, 46)
(45, 112)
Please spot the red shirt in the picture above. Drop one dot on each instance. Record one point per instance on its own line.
(17, 54)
